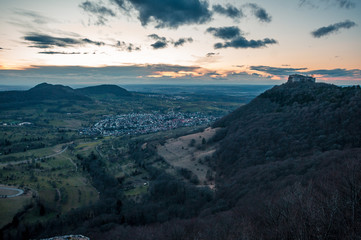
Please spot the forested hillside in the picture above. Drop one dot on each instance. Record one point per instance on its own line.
(294, 152)
(283, 132)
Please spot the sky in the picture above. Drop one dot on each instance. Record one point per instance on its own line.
(90, 42)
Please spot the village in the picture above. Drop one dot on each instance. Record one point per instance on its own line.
(143, 123)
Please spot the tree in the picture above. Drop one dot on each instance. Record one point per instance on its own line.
(192, 143)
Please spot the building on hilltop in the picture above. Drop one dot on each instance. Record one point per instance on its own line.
(301, 78)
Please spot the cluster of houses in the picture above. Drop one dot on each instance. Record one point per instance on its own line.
(143, 123)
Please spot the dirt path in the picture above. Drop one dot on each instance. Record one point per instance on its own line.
(59, 194)
(72, 162)
(101, 155)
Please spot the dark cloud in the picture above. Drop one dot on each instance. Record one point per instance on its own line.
(123, 4)
(53, 52)
(182, 41)
(225, 32)
(277, 70)
(159, 45)
(1, 48)
(156, 37)
(211, 54)
(129, 47)
(324, 31)
(101, 12)
(162, 42)
(86, 40)
(228, 11)
(234, 34)
(168, 13)
(47, 41)
(241, 42)
(259, 12)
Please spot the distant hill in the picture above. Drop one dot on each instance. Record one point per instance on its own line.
(45, 92)
(42, 92)
(104, 90)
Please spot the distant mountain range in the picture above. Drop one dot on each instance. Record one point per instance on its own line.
(45, 91)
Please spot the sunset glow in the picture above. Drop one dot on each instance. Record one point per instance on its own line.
(259, 42)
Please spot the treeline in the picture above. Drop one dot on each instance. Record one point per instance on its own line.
(327, 207)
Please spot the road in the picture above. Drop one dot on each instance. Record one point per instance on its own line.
(36, 159)
(19, 191)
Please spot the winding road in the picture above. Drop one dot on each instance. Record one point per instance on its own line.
(36, 159)
(19, 192)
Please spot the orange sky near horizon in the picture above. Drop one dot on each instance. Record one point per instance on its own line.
(270, 39)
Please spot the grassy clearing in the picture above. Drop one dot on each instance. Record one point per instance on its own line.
(189, 152)
(136, 191)
(86, 146)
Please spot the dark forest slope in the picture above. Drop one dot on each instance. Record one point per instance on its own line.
(290, 133)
